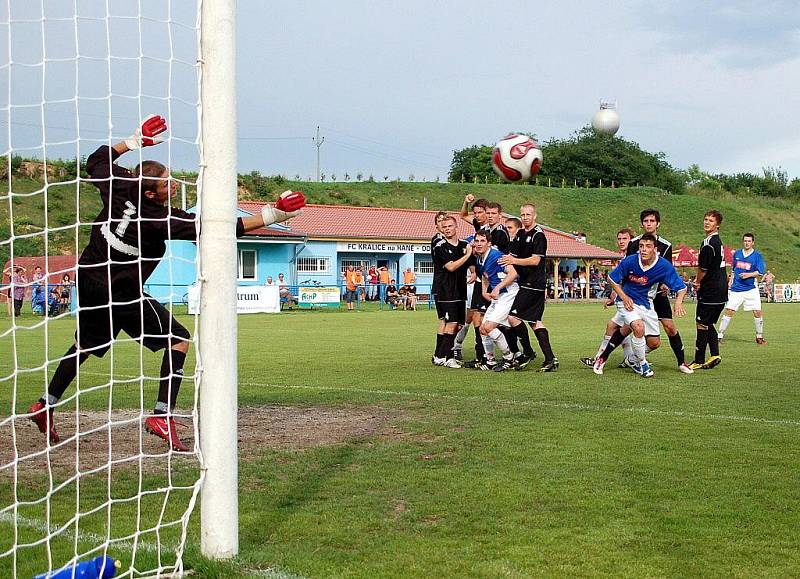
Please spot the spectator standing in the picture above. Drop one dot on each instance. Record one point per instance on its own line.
(360, 281)
(383, 280)
(769, 278)
(66, 293)
(351, 288)
(18, 282)
(408, 277)
(373, 281)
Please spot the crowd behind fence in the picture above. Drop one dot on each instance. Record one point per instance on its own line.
(57, 298)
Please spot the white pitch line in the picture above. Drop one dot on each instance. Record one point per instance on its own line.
(89, 537)
(539, 403)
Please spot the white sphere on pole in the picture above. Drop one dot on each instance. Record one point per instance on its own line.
(606, 120)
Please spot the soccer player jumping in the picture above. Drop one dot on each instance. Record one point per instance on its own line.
(127, 242)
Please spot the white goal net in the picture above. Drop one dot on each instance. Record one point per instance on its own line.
(76, 78)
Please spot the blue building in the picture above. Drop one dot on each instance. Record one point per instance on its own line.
(316, 247)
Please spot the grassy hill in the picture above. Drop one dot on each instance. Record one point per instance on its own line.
(597, 212)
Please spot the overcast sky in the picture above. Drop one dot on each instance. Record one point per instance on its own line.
(396, 87)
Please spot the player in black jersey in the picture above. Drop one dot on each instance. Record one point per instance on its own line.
(127, 242)
(712, 292)
(437, 271)
(528, 260)
(475, 216)
(454, 257)
(495, 228)
(477, 304)
(651, 221)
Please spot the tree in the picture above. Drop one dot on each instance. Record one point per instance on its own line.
(474, 161)
(586, 156)
(591, 156)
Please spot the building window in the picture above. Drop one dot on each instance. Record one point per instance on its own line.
(423, 266)
(313, 264)
(247, 264)
(356, 263)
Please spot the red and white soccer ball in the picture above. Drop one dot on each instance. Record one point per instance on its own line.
(517, 158)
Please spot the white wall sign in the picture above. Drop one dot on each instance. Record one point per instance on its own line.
(250, 299)
(787, 292)
(380, 247)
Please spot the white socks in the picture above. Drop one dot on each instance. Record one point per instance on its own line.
(461, 335)
(626, 347)
(759, 323)
(603, 344)
(723, 325)
(639, 345)
(500, 340)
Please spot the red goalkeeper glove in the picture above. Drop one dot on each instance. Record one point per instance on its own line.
(290, 204)
(147, 134)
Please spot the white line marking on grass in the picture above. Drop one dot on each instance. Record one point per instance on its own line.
(514, 402)
(540, 403)
(89, 537)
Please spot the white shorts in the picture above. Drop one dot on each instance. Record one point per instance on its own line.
(624, 318)
(470, 289)
(498, 310)
(751, 300)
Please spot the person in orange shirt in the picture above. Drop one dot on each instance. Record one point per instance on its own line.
(408, 277)
(383, 279)
(359, 280)
(351, 287)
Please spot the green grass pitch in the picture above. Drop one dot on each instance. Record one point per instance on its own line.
(462, 473)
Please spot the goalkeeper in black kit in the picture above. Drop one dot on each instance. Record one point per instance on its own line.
(127, 242)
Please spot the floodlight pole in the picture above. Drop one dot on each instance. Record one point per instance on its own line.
(217, 353)
(318, 142)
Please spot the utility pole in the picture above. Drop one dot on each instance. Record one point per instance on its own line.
(318, 142)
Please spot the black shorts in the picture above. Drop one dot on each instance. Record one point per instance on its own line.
(708, 314)
(478, 302)
(528, 305)
(145, 320)
(662, 307)
(452, 312)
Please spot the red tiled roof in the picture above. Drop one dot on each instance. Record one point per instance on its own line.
(348, 222)
(56, 266)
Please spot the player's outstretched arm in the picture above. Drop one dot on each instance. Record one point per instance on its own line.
(464, 213)
(290, 204)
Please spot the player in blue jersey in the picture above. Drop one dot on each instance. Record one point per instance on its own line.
(633, 280)
(499, 288)
(748, 265)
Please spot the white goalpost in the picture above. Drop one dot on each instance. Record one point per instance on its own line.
(76, 78)
(218, 325)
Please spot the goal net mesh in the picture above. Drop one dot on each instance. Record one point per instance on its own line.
(76, 75)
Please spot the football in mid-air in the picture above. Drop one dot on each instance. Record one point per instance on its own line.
(516, 158)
